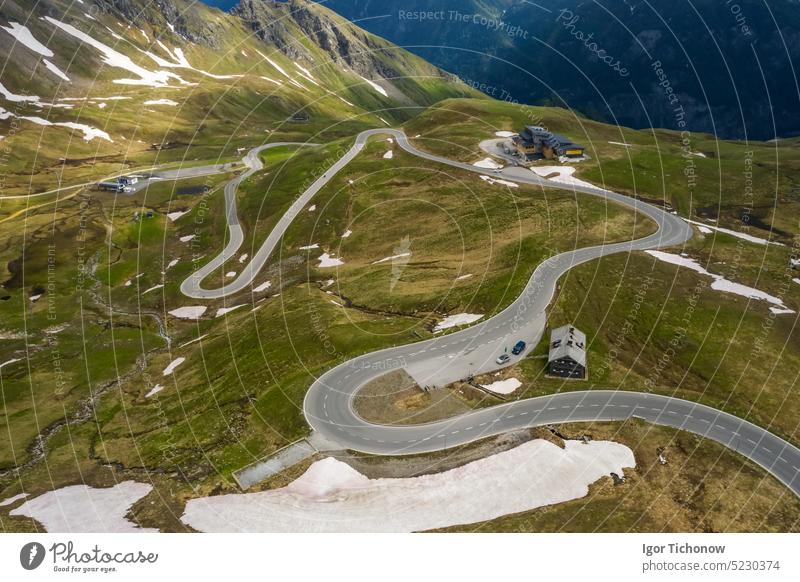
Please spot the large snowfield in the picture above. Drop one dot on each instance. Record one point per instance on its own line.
(331, 496)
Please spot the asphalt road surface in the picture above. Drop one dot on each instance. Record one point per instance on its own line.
(328, 404)
(191, 286)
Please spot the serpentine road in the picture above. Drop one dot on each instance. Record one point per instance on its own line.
(328, 404)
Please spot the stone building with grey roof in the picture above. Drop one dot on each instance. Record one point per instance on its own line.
(567, 357)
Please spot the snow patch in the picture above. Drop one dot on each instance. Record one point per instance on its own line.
(155, 390)
(7, 362)
(780, 311)
(168, 102)
(24, 36)
(84, 509)
(505, 133)
(503, 386)
(388, 155)
(720, 283)
(116, 59)
(223, 310)
(308, 247)
(11, 500)
(326, 261)
(347, 233)
(377, 87)
(487, 163)
(491, 180)
(331, 496)
(186, 238)
(189, 312)
(172, 365)
(263, 287)
(456, 320)
(153, 288)
(89, 133)
(563, 175)
(56, 71)
(173, 216)
(393, 257)
(736, 233)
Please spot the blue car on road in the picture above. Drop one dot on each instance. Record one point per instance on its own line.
(518, 348)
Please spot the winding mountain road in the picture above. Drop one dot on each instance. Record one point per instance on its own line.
(328, 404)
(191, 286)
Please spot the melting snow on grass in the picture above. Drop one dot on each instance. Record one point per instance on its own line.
(347, 233)
(456, 320)
(56, 71)
(13, 499)
(263, 287)
(172, 365)
(186, 238)
(80, 508)
(563, 175)
(505, 133)
(487, 163)
(462, 277)
(736, 233)
(24, 36)
(326, 260)
(173, 216)
(331, 496)
(392, 258)
(153, 288)
(114, 58)
(721, 283)
(155, 390)
(491, 180)
(189, 312)
(308, 247)
(223, 310)
(89, 133)
(168, 102)
(503, 386)
(14, 98)
(7, 362)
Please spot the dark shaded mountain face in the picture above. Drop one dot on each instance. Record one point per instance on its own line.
(221, 4)
(723, 66)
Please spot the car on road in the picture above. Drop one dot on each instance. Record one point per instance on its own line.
(518, 348)
(504, 358)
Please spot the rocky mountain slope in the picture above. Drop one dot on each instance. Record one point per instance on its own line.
(730, 66)
(128, 78)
